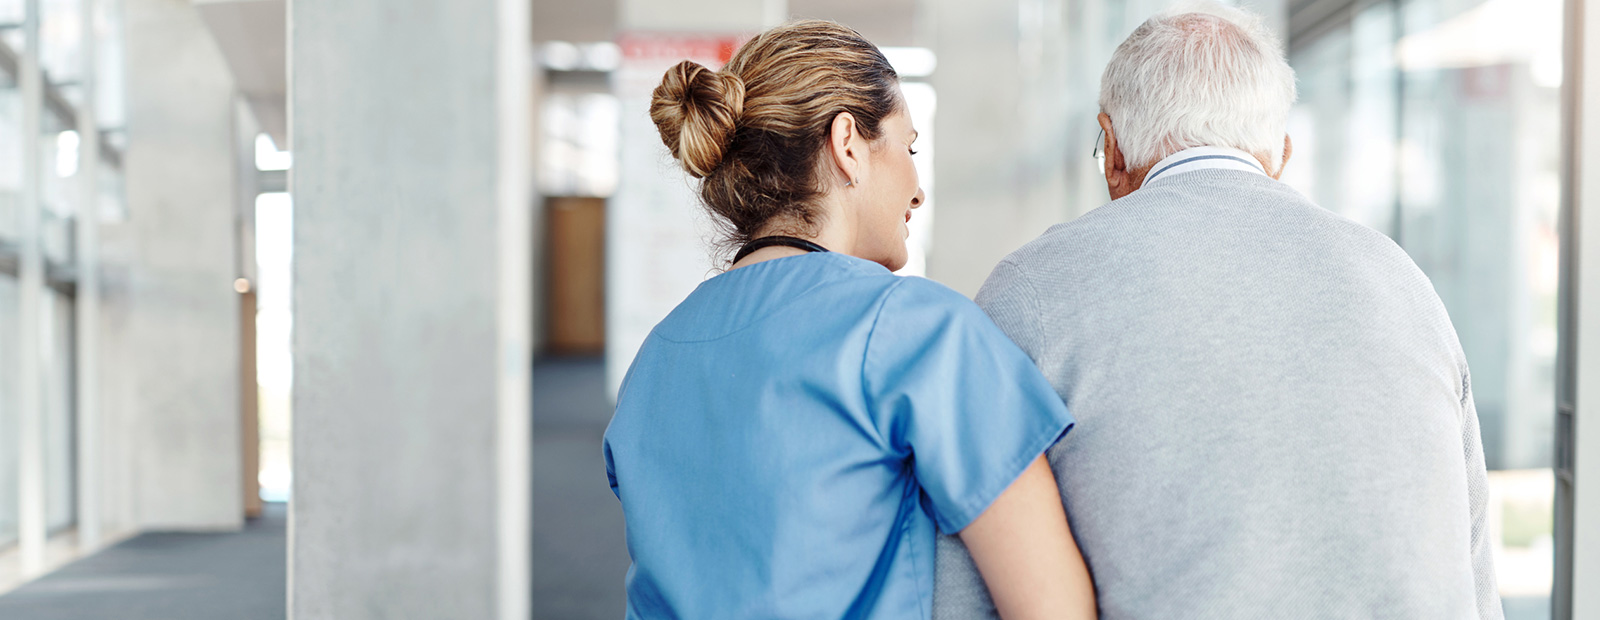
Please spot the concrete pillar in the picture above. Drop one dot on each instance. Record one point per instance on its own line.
(31, 479)
(656, 229)
(170, 354)
(410, 132)
(91, 517)
(1577, 468)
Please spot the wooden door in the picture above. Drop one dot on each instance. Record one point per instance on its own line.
(575, 279)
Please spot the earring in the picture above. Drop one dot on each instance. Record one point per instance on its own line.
(853, 182)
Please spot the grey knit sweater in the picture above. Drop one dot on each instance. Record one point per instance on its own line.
(1274, 413)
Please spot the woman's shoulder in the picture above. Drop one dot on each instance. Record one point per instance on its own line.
(918, 305)
(932, 291)
(809, 289)
(928, 296)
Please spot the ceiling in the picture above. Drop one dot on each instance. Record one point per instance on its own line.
(251, 35)
(885, 22)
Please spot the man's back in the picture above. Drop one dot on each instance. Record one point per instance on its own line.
(1275, 416)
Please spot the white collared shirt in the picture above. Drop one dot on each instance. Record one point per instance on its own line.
(1203, 158)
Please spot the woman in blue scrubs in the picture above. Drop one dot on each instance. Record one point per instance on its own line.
(792, 435)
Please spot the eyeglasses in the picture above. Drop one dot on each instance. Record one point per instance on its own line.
(1099, 152)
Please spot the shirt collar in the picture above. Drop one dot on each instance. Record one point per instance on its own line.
(1203, 158)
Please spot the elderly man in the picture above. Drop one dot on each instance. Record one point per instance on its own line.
(1275, 418)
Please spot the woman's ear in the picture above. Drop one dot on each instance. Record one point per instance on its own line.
(846, 147)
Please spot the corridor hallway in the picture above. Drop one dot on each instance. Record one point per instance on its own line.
(579, 554)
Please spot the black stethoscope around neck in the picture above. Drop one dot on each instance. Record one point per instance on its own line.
(775, 240)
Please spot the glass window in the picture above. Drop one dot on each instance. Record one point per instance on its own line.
(269, 156)
(1344, 128)
(112, 204)
(110, 112)
(274, 325)
(10, 157)
(58, 167)
(1317, 126)
(579, 152)
(57, 397)
(1438, 123)
(12, 11)
(1369, 163)
(9, 409)
(61, 46)
(109, 68)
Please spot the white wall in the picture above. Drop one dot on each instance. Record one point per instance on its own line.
(658, 236)
(1004, 137)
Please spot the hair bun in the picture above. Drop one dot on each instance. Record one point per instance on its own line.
(696, 110)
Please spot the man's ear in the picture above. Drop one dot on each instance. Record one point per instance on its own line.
(1288, 150)
(1118, 176)
(846, 147)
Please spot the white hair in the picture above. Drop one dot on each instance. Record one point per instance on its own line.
(1199, 74)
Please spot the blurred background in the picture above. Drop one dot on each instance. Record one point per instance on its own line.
(152, 354)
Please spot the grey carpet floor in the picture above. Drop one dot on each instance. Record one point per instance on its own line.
(167, 576)
(579, 554)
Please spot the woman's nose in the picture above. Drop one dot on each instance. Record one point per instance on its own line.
(916, 201)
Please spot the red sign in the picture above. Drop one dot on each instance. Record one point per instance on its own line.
(645, 46)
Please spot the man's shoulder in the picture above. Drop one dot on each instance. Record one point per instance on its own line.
(1111, 220)
(1195, 203)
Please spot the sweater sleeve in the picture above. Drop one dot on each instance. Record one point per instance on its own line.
(1488, 592)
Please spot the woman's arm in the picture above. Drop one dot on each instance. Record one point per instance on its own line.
(1026, 554)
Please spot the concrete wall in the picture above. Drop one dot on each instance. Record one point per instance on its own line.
(170, 329)
(409, 120)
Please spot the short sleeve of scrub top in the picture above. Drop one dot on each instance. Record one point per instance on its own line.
(958, 397)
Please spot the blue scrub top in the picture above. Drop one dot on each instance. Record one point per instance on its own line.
(789, 437)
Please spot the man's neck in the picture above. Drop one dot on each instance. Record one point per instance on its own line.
(1203, 158)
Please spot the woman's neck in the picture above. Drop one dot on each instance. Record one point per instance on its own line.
(828, 235)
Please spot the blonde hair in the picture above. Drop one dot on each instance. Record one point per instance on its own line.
(753, 133)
